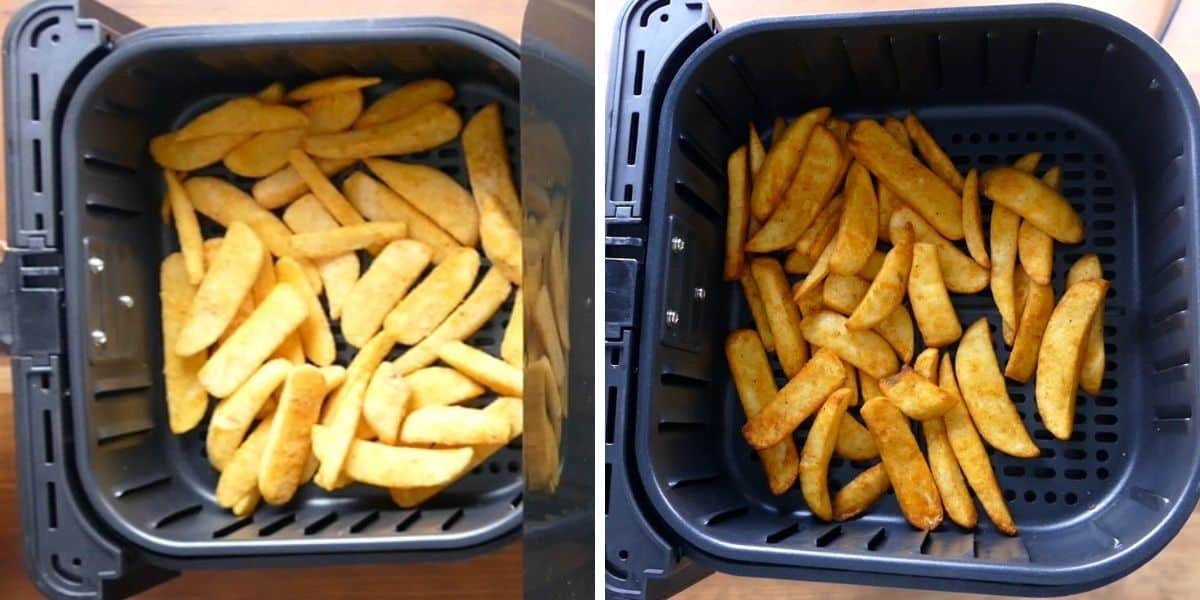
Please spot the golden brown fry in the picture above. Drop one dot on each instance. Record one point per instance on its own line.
(897, 330)
(1005, 226)
(1034, 247)
(1034, 201)
(169, 152)
(873, 265)
(810, 302)
(895, 127)
(839, 128)
(378, 203)
(798, 263)
(926, 365)
(263, 154)
(906, 467)
(512, 346)
(425, 128)
(333, 112)
(386, 402)
(234, 415)
(758, 154)
(226, 284)
(487, 161)
(782, 314)
(915, 395)
(1062, 354)
(1030, 328)
(869, 385)
(453, 426)
(799, 399)
(820, 170)
(823, 229)
(434, 194)
(417, 314)
(331, 86)
(435, 386)
(858, 230)
(854, 441)
(864, 490)
(242, 115)
(946, 474)
(337, 273)
(225, 204)
(476, 310)
(851, 382)
(930, 301)
(818, 449)
(886, 292)
(758, 310)
(782, 161)
(385, 284)
(239, 478)
(286, 185)
(499, 237)
(866, 350)
(1028, 162)
(816, 276)
(290, 437)
(315, 334)
(843, 293)
(186, 399)
(986, 396)
(961, 274)
(324, 244)
(492, 372)
(1091, 370)
(392, 466)
(187, 227)
(737, 218)
(756, 389)
(937, 159)
(973, 220)
(404, 101)
(272, 94)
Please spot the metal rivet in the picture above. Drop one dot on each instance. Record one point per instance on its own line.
(672, 318)
(677, 244)
(99, 338)
(95, 265)
(125, 301)
(699, 293)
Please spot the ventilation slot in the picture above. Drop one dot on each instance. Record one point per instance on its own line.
(177, 516)
(677, 380)
(610, 416)
(408, 521)
(829, 536)
(783, 534)
(232, 527)
(108, 167)
(141, 486)
(726, 515)
(650, 10)
(48, 437)
(109, 440)
(319, 524)
(365, 522)
(517, 500)
(35, 100)
(706, 100)
(877, 540)
(631, 153)
(452, 520)
(703, 161)
(51, 506)
(694, 200)
(37, 166)
(927, 543)
(694, 481)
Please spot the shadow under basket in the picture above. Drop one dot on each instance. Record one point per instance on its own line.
(1094, 94)
(154, 488)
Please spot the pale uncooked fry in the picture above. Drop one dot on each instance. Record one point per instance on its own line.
(334, 376)
(333, 112)
(242, 115)
(338, 273)
(971, 455)
(947, 475)
(245, 309)
(226, 284)
(986, 396)
(477, 309)
(824, 227)
(843, 292)
(915, 395)
(557, 282)
(782, 161)
(544, 329)
(866, 350)
(191, 243)
(798, 400)
(286, 185)
(906, 467)
(758, 309)
(758, 154)
(512, 346)
(897, 330)
(961, 273)
(873, 265)
(384, 284)
(854, 441)
(499, 237)
(886, 292)
(315, 333)
(234, 415)
(930, 301)
(973, 220)
(263, 154)
(737, 217)
(782, 314)
(290, 438)
(225, 204)
(1034, 247)
(419, 312)
(756, 389)
(344, 417)
(820, 170)
(386, 403)
(487, 160)
(405, 100)
(864, 490)
(858, 231)
(349, 238)
(1030, 328)
(186, 399)
(358, 374)
(1062, 352)
(817, 275)
(1005, 226)
(391, 466)
(818, 449)
(379, 203)
(541, 446)
(172, 153)
(434, 386)
(798, 263)
(428, 127)
(896, 167)
(434, 193)
(323, 189)
(290, 349)
(330, 86)
(934, 156)
(1091, 370)
(1034, 201)
(239, 478)
(272, 94)
(488, 370)
(453, 426)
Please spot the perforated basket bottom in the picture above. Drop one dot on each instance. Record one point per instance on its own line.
(1069, 478)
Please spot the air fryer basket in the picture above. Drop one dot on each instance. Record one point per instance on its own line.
(1098, 97)
(155, 488)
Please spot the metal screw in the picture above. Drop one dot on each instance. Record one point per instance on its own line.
(95, 265)
(125, 301)
(672, 318)
(677, 244)
(99, 338)
(699, 293)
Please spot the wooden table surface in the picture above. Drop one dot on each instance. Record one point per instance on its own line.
(497, 575)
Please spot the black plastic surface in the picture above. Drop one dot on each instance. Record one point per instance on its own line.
(1093, 93)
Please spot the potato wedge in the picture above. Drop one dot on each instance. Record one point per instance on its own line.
(920, 189)
(858, 230)
(417, 314)
(756, 156)
(331, 86)
(242, 115)
(816, 276)
(233, 416)
(191, 243)
(783, 159)
(1030, 328)
(959, 505)
(873, 265)
(264, 153)
(315, 333)
(453, 426)
(224, 203)
(854, 442)
(1091, 370)
(866, 350)
(818, 449)
(895, 127)
(1028, 162)
(439, 386)
(434, 194)
(839, 128)
(239, 478)
(897, 330)
(973, 220)
(983, 390)
(473, 313)
(499, 237)
(906, 467)
(1034, 247)
(386, 403)
(798, 400)
(323, 189)
(337, 273)
(344, 417)
(392, 466)
(290, 438)
(823, 229)
(937, 159)
(425, 128)
(819, 172)
(915, 396)
(1005, 228)
(272, 94)
(843, 293)
(187, 401)
(756, 389)
(930, 301)
(926, 365)
(782, 314)
(798, 263)
(285, 185)
(488, 370)
(333, 112)
(809, 302)
(226, 284)
(324, 244)
(758, 309)
(737, 217)
(1062, 353)
(488, 164)
(405, 100)
(961, 274)
(384, 285)
(864, 490)
(378, 203)
(169, 152)
(512, 346)
(1035, 202)
(886, 292)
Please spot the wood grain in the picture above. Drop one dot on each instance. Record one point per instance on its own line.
(497, 575)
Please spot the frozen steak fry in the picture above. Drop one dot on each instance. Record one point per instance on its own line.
(333, 113)
(930, 300)
(393, 466)
(436, 386)
(864, 349)
(433, 193)
(285, 185)
(384, 284)
(222, 202)
(886, 292)
(290, 438)
(338, 273)
(782, 161)
(242, 115)
(226, 284)
(915, 396)
(781, 313)
(263, 154)
(737, 219)
(315, 333)
(234, 415)
(187, 400)
(379, 203)
(189, 155)
(488, 370)
(937, 159)
(858, 231)
(820, 170)
(405, 100)
(864, 490)
(453, 426)
(235, 360)
(1033, 200)
(477, 309)
(323, 244)
(487, 161)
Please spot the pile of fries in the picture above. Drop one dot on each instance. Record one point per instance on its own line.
(867, 221)
(251, 318)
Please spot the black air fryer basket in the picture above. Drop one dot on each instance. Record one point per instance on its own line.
(112, 502)
(1095, 94)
